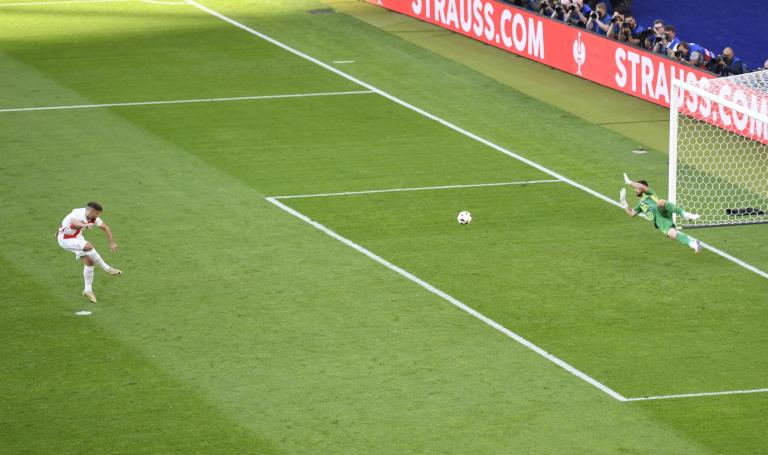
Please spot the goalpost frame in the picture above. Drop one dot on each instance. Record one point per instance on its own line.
(673, 108)
(677, 89)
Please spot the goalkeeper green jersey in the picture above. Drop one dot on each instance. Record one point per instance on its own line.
(649, 204)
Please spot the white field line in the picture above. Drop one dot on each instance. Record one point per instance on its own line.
(448, 124)
(693, 395)
(735, 260)
(421, 188)
(201, 100)
(562, 364)
(60, 2)
(342, 62)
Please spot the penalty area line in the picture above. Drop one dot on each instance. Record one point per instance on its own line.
(188, 101)
(702, 394)
(455, 302)
(420, 188)
(446, 123)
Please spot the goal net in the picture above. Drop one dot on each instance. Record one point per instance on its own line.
(718, 145)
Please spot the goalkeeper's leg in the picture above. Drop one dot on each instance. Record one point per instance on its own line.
(674, 208)
(683, 239)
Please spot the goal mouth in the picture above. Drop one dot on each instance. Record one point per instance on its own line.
(718, 164)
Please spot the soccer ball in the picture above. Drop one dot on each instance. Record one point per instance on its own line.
(464, 217)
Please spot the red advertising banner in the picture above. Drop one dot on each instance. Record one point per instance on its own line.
(727, 100)
(590, 56)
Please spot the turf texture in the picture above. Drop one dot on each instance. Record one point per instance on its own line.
(239, 328)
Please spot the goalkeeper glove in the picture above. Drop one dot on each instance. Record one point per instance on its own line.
(627, 181)
(623, 197)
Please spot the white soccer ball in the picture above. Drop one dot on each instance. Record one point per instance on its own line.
(464, 217)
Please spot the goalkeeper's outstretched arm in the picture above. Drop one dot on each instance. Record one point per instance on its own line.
(636, 185)
(623, 200)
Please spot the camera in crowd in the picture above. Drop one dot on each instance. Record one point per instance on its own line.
(549, 7)
(545, 6)
(618, 17)
(720, 62)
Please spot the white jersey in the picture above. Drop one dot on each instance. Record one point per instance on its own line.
(68, 231)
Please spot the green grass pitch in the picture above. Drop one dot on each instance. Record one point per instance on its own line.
(239, 328)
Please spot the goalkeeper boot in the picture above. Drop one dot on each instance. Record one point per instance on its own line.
(697, 246)
(691, 216)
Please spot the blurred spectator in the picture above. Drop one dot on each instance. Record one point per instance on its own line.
(667, 43)
(599, 22)
(547, 7)
(617, 22)
(563, 11)
(654, 33)
(727, 64)
(694, 54)
(576, 12)
(630, 32)
(765, 65)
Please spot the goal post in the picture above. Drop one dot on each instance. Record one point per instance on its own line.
(718, 149)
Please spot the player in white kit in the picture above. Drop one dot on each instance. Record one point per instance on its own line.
(71, 238)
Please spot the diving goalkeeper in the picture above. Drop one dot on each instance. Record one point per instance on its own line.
(658, 211)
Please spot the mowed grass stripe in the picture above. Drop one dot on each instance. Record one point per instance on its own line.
(286, 331)
(164, 60)
(70, 386)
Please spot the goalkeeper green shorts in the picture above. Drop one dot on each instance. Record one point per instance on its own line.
(664, 224)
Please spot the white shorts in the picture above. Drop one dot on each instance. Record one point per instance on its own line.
(75, 245)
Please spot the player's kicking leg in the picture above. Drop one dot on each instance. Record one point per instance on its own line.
(90, 258)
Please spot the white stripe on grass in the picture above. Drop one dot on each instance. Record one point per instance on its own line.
(189, 101)
(420, 188)
(702, 394)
